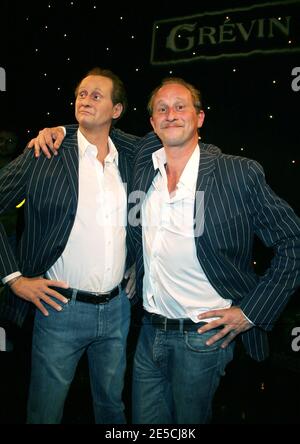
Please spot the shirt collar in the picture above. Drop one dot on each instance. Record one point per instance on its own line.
(84, 144)
(189, 175)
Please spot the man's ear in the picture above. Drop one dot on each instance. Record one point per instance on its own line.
(201, 117)
(118, 108)
(152, 124)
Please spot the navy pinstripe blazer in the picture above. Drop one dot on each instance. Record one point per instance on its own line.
(238, 204)
(50, 187)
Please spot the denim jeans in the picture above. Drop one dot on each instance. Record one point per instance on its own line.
(175, 376)
(59, 341)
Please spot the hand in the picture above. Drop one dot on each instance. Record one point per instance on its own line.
(130, 287)
(38, 289)
(233, 320)
(45, 140)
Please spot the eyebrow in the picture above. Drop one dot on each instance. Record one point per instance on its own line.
(84, 87)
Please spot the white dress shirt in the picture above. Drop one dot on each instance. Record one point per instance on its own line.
(95, 254)
(175, 284)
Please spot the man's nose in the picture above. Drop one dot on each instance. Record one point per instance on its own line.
(171, 114)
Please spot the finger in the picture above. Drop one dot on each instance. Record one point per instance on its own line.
(57, 295)
(216, 337)
(129, 286)
(229, 339)
(59, 137)
(210, 326)
(38, 147)
(30, 144)
(46, 138)
(131, 294)
(211, 314)
(44, 146)
(50, 302)
(40, 306)
(52, 283)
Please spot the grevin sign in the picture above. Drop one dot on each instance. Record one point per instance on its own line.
(264, 28)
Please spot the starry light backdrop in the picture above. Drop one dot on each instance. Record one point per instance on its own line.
(46, 47)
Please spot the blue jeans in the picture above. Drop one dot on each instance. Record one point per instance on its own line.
(60, 340)
(175, 376)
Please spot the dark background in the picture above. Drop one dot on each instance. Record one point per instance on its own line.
(46, 50)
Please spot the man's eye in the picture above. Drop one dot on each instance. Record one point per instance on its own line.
(96, 96)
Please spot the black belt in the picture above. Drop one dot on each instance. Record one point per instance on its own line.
(164, 323)
(91, 298)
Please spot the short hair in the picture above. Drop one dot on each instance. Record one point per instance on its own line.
(118, 94)
(195, 93)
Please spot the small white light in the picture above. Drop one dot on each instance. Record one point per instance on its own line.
(274, 81)
(234, 70)
(157, 26)
(293, 161)
(290, 41)
(132, 36)
(137, 69)
(242, 149)
(170, 72)
(271, 117)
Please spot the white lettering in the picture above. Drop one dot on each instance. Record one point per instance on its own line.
(296, 342)
(2, 79)
(171, 39)
(296, 80)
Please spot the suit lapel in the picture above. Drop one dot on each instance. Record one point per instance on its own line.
(147, 175)
(204, 187)
(70, 160)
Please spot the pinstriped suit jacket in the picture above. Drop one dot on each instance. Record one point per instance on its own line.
(238, 204)
(50, 187)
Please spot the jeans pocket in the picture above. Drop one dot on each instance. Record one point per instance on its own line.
(197, 342)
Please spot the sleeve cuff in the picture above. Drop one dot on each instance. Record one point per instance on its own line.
(247, 318)
(10, 277)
